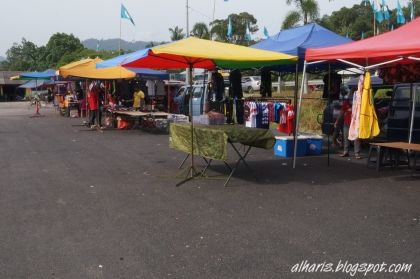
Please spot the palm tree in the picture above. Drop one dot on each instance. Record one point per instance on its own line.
(200, 30)
(307, 11)
(176, 33)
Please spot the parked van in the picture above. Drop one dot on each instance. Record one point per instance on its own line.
(199, 101)
(400, 111)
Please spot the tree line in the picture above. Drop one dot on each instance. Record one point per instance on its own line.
(356, 23)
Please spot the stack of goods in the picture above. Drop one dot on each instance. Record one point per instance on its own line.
(212, 118)
(178, 118)
(155, 124)
(216, 118)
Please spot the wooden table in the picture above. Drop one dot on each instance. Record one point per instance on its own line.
(390, 147)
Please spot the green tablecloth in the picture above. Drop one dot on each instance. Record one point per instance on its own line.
(211, 141)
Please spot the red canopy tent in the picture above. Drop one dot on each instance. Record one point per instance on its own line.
(401, 44)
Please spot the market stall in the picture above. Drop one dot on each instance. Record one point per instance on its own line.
(400, 46)
(296, 41)
(197, 53)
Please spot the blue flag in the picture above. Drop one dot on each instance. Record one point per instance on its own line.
(385, 11)
(400, 14)
(126, 14)
(266, 32)
(377, 12)
(229, 29)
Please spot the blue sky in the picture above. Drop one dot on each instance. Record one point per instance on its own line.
(38, 20)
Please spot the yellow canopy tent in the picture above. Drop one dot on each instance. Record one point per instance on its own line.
(198, 53)
(86, 68)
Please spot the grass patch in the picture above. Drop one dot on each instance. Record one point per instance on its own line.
(312, 106)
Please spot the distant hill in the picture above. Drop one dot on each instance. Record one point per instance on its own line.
(2, 58)
(112, 44)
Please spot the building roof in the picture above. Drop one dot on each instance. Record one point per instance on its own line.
(6, 75)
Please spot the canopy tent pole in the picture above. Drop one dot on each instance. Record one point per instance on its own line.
(298, 113)
(352, 64)
(329, 97)
(383, 63)
(413, 58)
(413, 112)
(295, 110)
(191, 172)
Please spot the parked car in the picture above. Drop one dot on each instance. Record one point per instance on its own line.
(400, 111)
(251, 84)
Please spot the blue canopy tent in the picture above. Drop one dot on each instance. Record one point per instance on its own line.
(296, 41)
(47, 74)
(141, 72)
(149, 74)
(36, 84)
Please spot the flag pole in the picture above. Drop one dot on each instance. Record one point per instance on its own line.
(214, 8)
(119, 42)
(374, 23)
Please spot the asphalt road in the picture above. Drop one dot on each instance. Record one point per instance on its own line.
(83, 204)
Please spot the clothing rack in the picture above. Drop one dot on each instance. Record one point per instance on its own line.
(268, 99)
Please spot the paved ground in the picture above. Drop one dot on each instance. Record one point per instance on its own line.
(84, 204)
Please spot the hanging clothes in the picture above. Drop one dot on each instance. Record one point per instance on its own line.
(265, 87)
(369, 126)
(235, 84)
(355, 117)
(151, 89)
(286, 123)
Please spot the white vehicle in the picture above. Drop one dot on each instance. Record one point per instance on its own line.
(251, 84)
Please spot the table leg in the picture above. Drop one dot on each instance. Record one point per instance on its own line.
(241, 158)
(208, 162)
(183, 161)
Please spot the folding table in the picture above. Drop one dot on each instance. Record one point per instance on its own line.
(211, 142)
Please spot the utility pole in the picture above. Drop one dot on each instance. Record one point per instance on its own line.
(188, 21)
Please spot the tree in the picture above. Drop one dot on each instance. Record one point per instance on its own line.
(307, 11)
(240, 21)
(25, 56)
(176, 33)
(200, 30)
(354, 21)
(60, 45)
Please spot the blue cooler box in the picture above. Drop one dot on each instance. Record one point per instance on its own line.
(284, 146)
(314, 145)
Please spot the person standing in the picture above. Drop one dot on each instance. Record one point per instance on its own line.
(93, 102)
(138, 99)
(346, 116)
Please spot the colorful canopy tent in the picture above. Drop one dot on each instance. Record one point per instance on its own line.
(86, 68)
(198, 53)
(400, 44)
(149, 74)
(295, 41)
(140, 72)
(45, 75)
